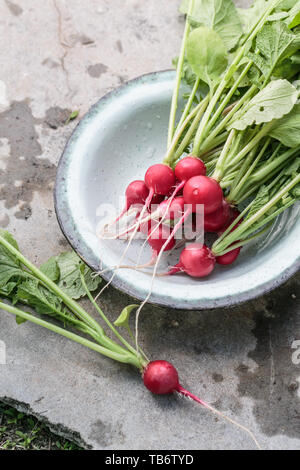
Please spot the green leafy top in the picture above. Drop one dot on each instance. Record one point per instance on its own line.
(219, 15)
(19, 284)
(274, 43)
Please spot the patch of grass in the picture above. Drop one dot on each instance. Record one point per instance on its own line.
(22, 432)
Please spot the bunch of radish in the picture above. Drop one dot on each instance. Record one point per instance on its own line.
(200, 193)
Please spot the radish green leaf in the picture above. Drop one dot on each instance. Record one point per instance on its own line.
(287, 129)
(274, 101)
(123, 319)
(219, 15)
(69, 281)
(206, 55)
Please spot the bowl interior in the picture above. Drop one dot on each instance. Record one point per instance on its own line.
(122, 135)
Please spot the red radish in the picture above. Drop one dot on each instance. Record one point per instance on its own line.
(217, 220)
(168, 209)
(234, 214)
(136, 194)
(145, 227)
(205, 191)
(185, 169)
(159, 179)
(161, 378)
(158, 237)
(196, 260)
(171, 210)
(198, 191)
(229, 257)
(188, 167)
(156, 199)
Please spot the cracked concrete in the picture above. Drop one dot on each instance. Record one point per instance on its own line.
(62, 57)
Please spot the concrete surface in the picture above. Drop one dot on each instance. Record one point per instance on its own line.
(61, 56)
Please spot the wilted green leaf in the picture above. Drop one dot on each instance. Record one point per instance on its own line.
(123, 319)
(72, 116)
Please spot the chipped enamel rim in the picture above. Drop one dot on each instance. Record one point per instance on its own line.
(275, 270)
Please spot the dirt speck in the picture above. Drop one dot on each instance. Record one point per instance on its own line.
(97, 70)
(52, 64)
(85, 40)
(56, 117)
(119, 46)
(217, 377)
(106, 434)
(14, 8)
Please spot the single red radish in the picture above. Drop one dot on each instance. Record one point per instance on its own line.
(170, 210)
(159, 179)
(202, 190)
(188, 167)
(229, 257)
(136, 194)
(158, 237)
(161, 378)
(196, 260)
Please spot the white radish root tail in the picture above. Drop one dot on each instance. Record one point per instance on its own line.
(177, 226)
(184, 392)
(146, 205)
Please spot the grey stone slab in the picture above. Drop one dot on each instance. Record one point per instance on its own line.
(60, 57)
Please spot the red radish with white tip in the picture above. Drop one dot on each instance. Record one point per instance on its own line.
(159, 179)
(136, 194)
(196, 260)
(161, 378)
(202, 190)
